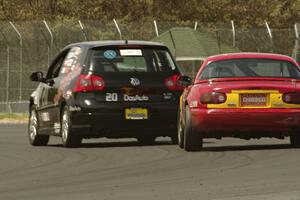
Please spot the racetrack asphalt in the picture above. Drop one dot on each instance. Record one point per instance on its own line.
(227, 169)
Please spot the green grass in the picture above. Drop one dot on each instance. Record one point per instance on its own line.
(13, 116)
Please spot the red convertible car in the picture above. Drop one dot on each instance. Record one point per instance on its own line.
(242, 95)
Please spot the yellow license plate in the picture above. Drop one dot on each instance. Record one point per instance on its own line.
(136, 113)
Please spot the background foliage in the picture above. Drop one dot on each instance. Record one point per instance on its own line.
(20, 57)
(246, 13)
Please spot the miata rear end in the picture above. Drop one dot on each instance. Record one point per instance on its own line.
(245, 95)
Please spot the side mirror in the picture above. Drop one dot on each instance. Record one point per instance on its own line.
(184, 81)
(37, 77)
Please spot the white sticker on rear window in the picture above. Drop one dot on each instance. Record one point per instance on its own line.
(131, 52)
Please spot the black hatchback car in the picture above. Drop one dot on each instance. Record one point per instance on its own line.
(113, 89)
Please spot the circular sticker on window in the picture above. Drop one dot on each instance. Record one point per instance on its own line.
(110, 54)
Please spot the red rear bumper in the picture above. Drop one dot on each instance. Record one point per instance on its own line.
(245, 120)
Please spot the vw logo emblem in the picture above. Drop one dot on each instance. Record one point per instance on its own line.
(135, 81)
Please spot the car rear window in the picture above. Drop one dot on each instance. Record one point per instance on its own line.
(250, 68)
(131, 60)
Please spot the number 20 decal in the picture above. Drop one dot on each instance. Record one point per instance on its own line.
(111, 97)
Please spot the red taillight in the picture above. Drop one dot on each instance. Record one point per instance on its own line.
(172, 83)
(88, 82)
(213, 98)
(291, 98)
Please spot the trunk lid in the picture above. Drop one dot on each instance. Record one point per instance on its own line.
(251, 92)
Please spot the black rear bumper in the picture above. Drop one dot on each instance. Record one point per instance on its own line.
(109, 121)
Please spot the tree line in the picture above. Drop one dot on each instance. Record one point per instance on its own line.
(245, 13)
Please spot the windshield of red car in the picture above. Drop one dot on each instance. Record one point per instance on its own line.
(250, 68)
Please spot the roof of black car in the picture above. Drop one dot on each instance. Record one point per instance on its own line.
(93, 44)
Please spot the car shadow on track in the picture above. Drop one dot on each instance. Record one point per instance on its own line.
(115, 144)
(248, 147)
(121, 144)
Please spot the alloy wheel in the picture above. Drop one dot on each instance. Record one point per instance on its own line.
(65, 127)
(33, 125)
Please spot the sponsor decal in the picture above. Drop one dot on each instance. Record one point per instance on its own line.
(74, 108)
(135, 98)
(278, 104)
(110, 54)
(76, 50)
(71, 69)
(68, 94)
(65, 70)
(111, 97)
(254, 99)
(231, 104)
(193, 104)
(167, 96)
(135, 81)
(45, 116)
(131, 52)
(56, 127)
(65, 82)
(69, 62)
(71, 55)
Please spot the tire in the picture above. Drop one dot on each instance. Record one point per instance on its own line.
(180, 131)
(69, 139)
(295, 140)
(33, 130)
(192, 140)
(146, 140)
(174, 139)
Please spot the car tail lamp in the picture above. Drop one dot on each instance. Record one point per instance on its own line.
(291, 98)
(172, 83)
(88, 82)
(213, 98)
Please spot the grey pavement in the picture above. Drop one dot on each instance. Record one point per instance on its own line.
(228, 169)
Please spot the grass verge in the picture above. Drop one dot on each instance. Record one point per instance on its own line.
(13, 118)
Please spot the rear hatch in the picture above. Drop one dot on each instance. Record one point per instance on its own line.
(132, 76)
(136, 88)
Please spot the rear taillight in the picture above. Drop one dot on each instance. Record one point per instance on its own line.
(291, 98)
(172, 83)
(88, 82)
(213, 98)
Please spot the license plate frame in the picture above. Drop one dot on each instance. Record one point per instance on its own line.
(136, 113)
(253, 100)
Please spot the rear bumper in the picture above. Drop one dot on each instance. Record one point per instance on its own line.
(109, 121)
(264, 122)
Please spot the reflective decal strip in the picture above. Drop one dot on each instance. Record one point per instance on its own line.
(274, 100)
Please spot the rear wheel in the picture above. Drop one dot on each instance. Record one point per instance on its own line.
(174, 139)
(180, 129)
(192, 140)
(69, 139)
(33, 127)
(295, 140)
